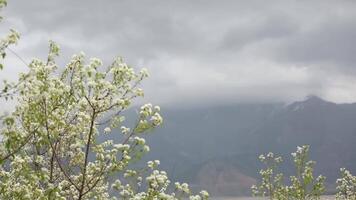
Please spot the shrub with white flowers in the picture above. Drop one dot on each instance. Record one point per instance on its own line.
(271, 181)
(50, 146)
(303, 185)
(346, 186)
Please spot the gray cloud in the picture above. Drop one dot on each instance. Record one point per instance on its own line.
(257, 30)
(205, 52)
(333, 43)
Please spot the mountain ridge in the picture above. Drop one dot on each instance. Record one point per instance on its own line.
(233, 136)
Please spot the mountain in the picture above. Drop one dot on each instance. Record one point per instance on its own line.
(329, 128)
(216, 148)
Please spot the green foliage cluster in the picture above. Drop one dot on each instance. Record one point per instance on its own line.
(303, 185)
(10, 39)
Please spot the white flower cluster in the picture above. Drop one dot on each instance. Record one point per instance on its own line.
(149, 118)
(157, 186)
(51, 147)
(346, 186)
(303, 186)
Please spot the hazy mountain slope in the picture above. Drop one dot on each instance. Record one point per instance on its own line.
(224, 142)
(329, 128)
(193, 137)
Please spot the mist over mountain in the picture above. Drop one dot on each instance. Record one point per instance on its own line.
(217, 148)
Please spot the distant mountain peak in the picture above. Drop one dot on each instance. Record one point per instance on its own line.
(314, 99)
(309, 101)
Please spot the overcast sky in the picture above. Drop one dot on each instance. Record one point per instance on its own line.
(203, 52)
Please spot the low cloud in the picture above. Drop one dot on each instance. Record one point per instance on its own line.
(205, 52)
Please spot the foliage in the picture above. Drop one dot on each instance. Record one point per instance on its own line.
(272, 182)
(302, 186)
(10, 39)
(346, 186)
(50, 147)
